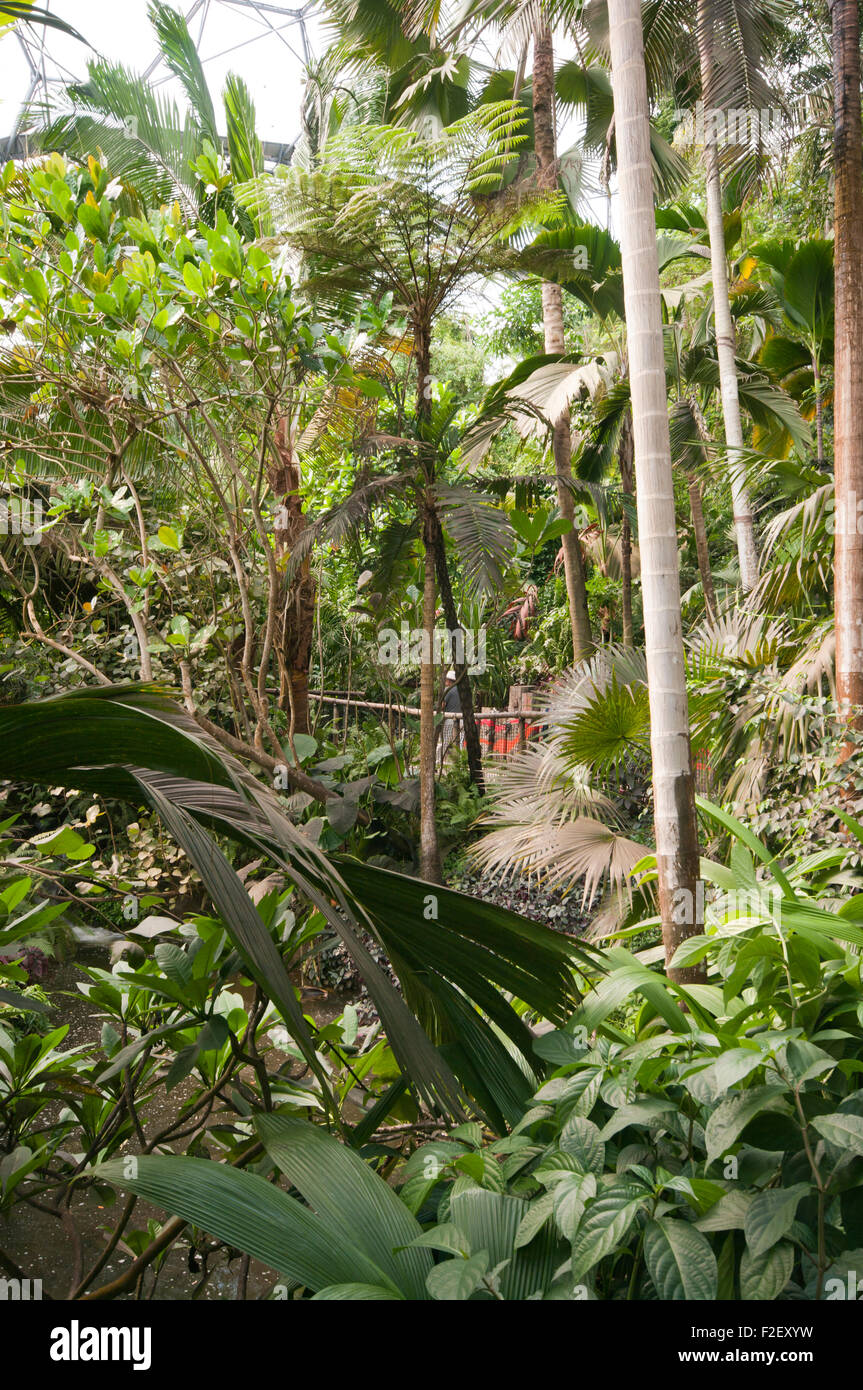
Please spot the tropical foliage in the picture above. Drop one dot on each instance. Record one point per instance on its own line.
(431, 695)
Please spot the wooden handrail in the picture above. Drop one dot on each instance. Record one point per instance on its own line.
(530, 715)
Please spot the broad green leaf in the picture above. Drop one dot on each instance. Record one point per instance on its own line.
(534, 1219)
(770, 1216)
(582, 1140)
(342, 1188)
(604, 1226)
(571, 1196)
(845, 1131)
(169, 537)
(763, 1277)
(643, 1112)
(457, 1279)
(249, 1214)
(712, 1081)
(445, 1237)
(679, 1260)
(733, 1114)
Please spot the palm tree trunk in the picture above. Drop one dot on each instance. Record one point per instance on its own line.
(545, 147)
(702, 549)
(471, 733)
(696, 507)
(743, 523)
(848, 407)
(297, 626)
(675, 824)
(627, 488)
(819, 409)
(430, 861)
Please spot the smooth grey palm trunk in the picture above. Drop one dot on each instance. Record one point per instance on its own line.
(545, 147)
(673, 784)
(724, 327)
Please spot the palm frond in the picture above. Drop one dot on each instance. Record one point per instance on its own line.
(482, 534)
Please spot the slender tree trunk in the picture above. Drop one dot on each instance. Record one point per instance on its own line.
(430, 860)
(848, 406)
(296, 629)
(430, 863)
(743, 523)
(627, 485)
(696, 507)
(471, 733)
(545, 148)
(701, 548)
(819, 410)
(676, 828)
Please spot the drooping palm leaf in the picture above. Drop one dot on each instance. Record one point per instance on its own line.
(129, 740)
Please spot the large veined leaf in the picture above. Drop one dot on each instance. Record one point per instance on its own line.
(733, 1114)
(763, 1277)
(770, 1215)
(680, 1260)
(605, 1223)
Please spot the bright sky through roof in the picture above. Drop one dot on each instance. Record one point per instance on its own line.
(233, 37)
(263, 46)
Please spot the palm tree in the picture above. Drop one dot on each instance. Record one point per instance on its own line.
(545, 148)
(719, 47)
(725, 344)
(553, 812)
(429, 84)
(848, 413)
(158, 154)
(676, 828)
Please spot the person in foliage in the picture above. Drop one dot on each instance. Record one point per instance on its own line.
(452, 705)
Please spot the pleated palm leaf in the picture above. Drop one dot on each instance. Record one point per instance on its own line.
(342, 1233)
(755, 681)
(753, 684)
(553, 815)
